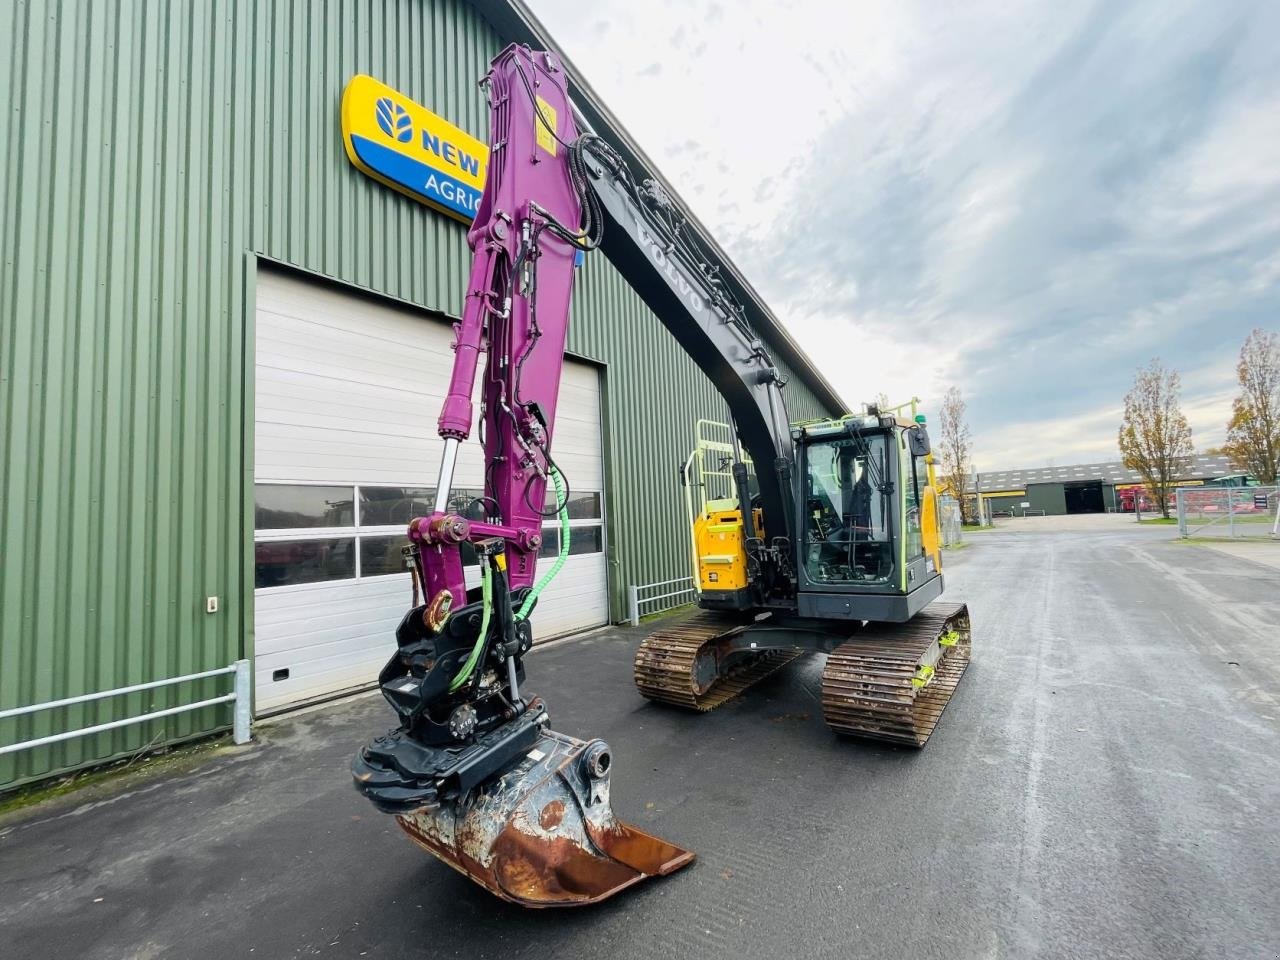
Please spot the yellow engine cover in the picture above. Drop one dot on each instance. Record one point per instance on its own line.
(722, 551)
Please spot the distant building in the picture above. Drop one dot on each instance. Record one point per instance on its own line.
(1091, 487)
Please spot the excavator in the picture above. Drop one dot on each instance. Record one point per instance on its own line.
(826, 539)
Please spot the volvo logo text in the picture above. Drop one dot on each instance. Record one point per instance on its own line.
(674, 274)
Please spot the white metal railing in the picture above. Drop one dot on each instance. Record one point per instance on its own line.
(240, 695)
(635, 601)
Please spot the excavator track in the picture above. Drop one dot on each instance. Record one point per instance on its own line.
(890, 682)
(679, 664)
(894, 680)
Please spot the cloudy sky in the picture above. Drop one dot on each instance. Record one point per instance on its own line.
(1027, 200)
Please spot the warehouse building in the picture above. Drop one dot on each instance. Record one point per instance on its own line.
(1088, 488)
(226, 336)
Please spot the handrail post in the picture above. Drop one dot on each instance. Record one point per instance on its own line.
(633, 604)
(242, 723)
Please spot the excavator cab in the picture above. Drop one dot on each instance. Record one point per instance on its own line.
(865, 552)
(866, 520)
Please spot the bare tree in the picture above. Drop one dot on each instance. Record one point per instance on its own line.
(1155, 438)
(954, 448)
(1253, 433)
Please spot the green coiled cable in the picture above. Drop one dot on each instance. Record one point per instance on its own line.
(486, 587)
(486, 593)
(563, 515)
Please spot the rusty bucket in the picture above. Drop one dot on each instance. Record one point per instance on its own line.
(543, 834)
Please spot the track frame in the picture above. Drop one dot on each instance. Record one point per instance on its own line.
(882, 681)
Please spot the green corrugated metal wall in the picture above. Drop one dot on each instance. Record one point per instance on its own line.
(153, 151)
(122, 359)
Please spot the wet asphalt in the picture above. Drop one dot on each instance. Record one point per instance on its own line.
(1105, 783)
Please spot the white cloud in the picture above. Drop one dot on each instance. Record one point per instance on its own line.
(1027, 200)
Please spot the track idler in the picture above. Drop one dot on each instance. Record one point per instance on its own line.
(541, 833)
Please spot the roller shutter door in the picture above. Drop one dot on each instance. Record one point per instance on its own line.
(347, 390)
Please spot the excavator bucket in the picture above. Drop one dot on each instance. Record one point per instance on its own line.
(543, 834)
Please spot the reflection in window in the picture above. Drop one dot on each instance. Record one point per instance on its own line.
(581, 506)
(550, 543)
(586, 540)
(584, 506)
(581, 540)
(380, 556)
(847, 510)
(468, 502)
(281, 506)
(304, 507)
(280, 563)
(917, 478)
(385, 506)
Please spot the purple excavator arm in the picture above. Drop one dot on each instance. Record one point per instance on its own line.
(517, 315)
(473, 773)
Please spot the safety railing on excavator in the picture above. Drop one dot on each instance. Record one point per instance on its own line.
(707, 475)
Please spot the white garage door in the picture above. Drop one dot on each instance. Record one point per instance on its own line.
(346, 453)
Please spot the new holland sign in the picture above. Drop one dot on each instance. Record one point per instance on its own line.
(411, 149)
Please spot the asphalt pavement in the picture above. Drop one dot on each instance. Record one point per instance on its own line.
(1105, 783)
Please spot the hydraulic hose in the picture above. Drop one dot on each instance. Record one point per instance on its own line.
(486, 587)
(486, 603)
(538, 587)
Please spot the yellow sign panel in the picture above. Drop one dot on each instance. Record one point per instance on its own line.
(404, 145)
(547, 135)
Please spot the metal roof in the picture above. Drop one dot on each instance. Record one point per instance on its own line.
(1200, 467)
(516, 23)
